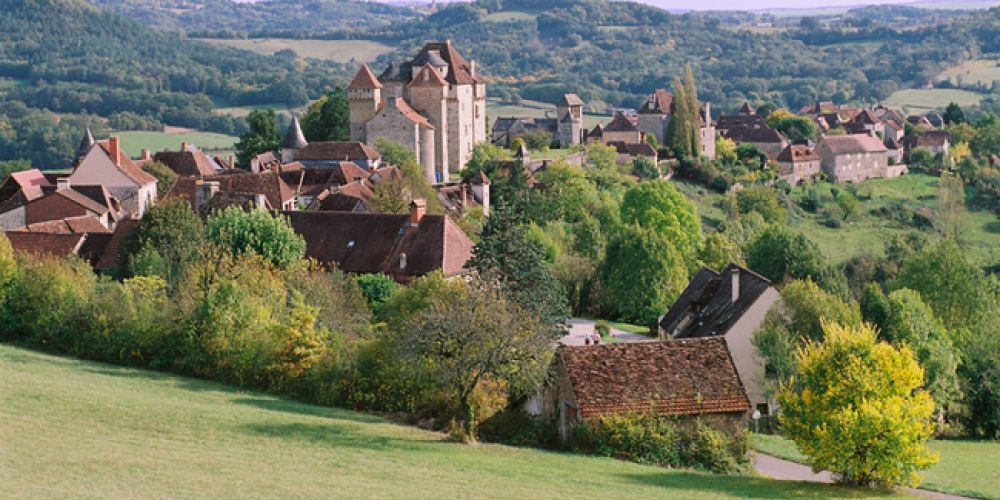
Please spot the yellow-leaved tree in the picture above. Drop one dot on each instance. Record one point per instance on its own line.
(857, 408)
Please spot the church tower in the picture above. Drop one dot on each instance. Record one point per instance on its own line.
(570, 113)
(365, 96)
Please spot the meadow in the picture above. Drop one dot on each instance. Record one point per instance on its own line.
(982, 71)
(881, 202)
(918, 101)
(72, 428)
(534, 109)
(341, 51)
(135, 141)
(965, 467)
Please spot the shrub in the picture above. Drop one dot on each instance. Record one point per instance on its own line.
(377, 289)
(517, 428)
(256, 232)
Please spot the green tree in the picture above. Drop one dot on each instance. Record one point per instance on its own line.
(170, 233)
(262, 137)
(642, 275)
(165, 177)
(256, 232)
(778, 253)
(856, 408)
(394, 153)
(506, 254)
(659, 206)
(719, 251)
(328, 118)
(961, 132)
(11, 166)
(479, 336)
(794, 127)
(951, 205)
(987, 140)
(848, 204)
(644, 168)
(949, 282)
(378, 289)
(953, 114)
(679, 128)
(763, 200)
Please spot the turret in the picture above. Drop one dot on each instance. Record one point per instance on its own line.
(365, 96)
(85, 145)
(294, 141)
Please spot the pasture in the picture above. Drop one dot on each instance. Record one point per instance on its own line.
(341, 51)
(918, 101)
(135, 141)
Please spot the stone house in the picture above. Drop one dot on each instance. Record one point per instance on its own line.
(441, 88)
(655, 114)
(869, 123)
(689, 380)
(105, 164)
(730, 304)
(768, 140)
(854, 158)
(621, 129)
(188, 162)
(933, 141)
(506, 129)
(330, 154)
(798, 164)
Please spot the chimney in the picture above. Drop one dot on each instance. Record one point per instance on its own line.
(260, 201)
(402, 260)
(204, 192)
(736, 283)
(472, 69)
(114, 150)
(232, 161)
(145, 156)
(62, 183)
(418, 207)
(465, 195)
(184, 147)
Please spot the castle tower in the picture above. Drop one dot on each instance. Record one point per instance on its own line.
(429, 95)
(570, 113)
(294, 141)
(365, 96)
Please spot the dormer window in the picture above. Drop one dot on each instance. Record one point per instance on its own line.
(350, 244)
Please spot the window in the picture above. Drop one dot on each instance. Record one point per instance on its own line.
(350, 244)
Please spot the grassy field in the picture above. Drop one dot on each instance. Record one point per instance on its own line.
(512, 15)
(496, 109)
(134, 142)
(982, 71)
(78, 429)
(979, 231)
(966, 467)
(330, 50)
(912, 101)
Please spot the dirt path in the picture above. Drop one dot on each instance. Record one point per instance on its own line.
(579, 329)
(785, 470)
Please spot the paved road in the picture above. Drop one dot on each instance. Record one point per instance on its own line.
(579, 329)
(785, 470)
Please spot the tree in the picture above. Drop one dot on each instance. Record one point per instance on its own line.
(856, 408)
(169, 231)
(795, 127)
(949, 282)
(378, 289)
(848, 204)
(401, 306)
(959, 151)
(725, 151)
(777, 253)
(987, 140)
(393, 195)
(642, 274)
(507, 255)
(796, 321)
(644, 168)
(394, 153)
(165, 177)
(961, 132)
(261, 138)
(719, 251)
(475, 337)
(951, 205)
(256, 232)
(692, 112)
(953, 114)
(9, 167)
(659, 206)
(329, 118)
(763, 200)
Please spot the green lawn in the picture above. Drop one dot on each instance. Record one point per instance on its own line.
(135, 141)
(526, 108)
(979, 231)
(912, 101)
(341, 51)
(966, 467)
(78, 429)
(974, 71)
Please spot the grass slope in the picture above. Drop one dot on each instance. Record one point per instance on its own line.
(982, 71)
(914, 101)
(341, 51)
(79, 429)
(135, 141)
(966, 467)
(979, 231)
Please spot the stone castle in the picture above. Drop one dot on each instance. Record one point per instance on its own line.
(434, 104)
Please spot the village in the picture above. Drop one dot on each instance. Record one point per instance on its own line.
(697, 363)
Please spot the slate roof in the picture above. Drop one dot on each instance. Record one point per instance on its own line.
(127, 167)
(758, 135)
(85, 145)
(798, 152)
(372, 243)
(708, 305)
(428, 77)
(190, 163)
(620, 123)
(726, 122)
(674, 378)
(459, 70)
(57, 245)
(337, 151)
(294, 138)
(364, 79)
(570, 100)
(851, 144)
(746, 109)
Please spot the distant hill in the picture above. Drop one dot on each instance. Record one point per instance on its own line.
(265, 18)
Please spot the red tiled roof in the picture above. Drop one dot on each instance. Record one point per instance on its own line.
(186, 163)
(337, 151)
(851, 144)
(57, 245)
(31, 183)
(268, 184)
(620, 123)
(69, 225)
(798, 152)
(406, 110)
(460, 71)
(674, 378)
(109, 257)
(660, 102)
(364, 79)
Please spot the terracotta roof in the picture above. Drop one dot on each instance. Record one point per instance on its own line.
(726, 122)
(675, 378)
(268, 184)
(337, 151)
(346, 198)
(851, 144)
(428, 77)
(31, 183)
(364, 80)
(620, 123)
(127, 167)
(371, 243)
(708, 302)
(405, 109)
(69, 225)
(636, 149)
(867, 117)
(459, 70)
(58, 245)
(818, 108)
(190, 163)
(61, 204)
(225, 199)
(746, 109)
(109, 257)
(757, 135)
(798, 152)
(385, 173)
(294, 138)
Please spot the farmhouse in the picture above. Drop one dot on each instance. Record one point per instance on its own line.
(854, 158)
(105, 164)
(689, 380)
(798, 164)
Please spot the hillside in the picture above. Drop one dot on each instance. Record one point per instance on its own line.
(229, 18)
(79, 429)
(620, 51)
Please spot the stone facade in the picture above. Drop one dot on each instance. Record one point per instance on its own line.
(570, 118)
(441, 87)
(395, 122)
(853, 158)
